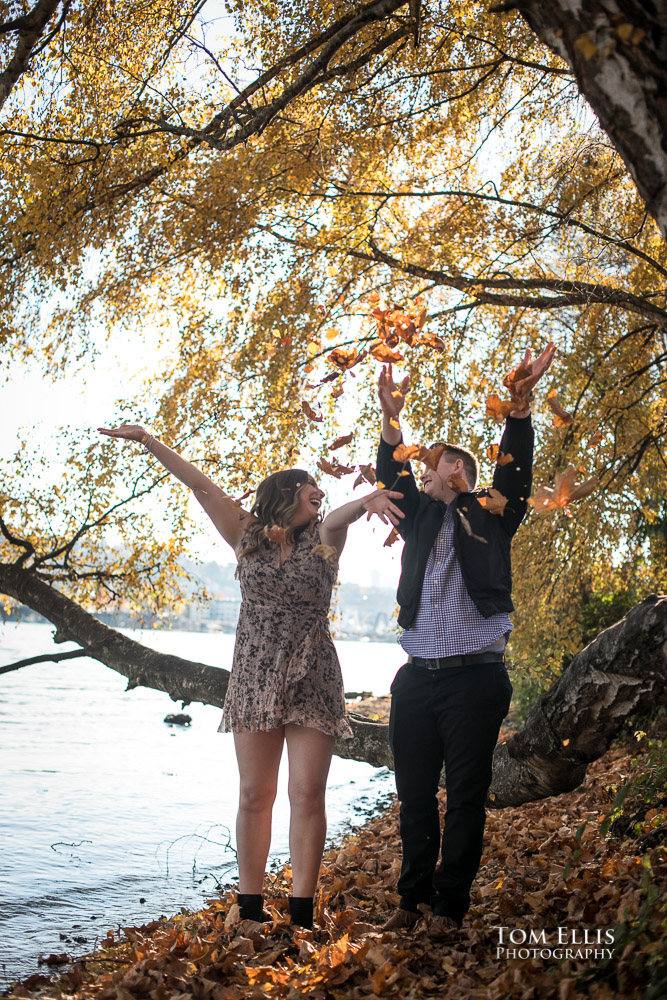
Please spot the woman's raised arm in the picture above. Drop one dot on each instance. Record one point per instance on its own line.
(230, 520)
(333, 530)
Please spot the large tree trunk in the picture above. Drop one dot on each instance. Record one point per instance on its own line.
(622, 672)
(618, 52)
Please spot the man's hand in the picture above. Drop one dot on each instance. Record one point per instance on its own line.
(391, 396)
(380, 503)
(522, 388)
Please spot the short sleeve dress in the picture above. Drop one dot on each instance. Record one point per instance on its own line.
(285, 667)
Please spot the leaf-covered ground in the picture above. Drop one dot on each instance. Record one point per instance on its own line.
(536, 875)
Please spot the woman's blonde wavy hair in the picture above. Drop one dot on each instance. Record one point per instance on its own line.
(276, 501)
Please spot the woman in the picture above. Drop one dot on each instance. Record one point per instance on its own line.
(286, 684)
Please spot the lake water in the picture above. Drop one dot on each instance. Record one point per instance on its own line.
(107, 815)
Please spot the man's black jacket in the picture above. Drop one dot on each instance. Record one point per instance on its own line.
(485, 566)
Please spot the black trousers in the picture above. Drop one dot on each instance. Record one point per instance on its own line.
(449, 716)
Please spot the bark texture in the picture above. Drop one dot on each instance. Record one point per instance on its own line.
(617, 50)
(622, 672)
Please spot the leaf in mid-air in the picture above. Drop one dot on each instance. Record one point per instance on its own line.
(341, 441)
(564, 491)
(406, 452)
(274, 533)
(310, 412)
(327, 552)
(495, 502)
(391, 538)
(499, 408)
(561, 417)
(457, 483)
(431, 456)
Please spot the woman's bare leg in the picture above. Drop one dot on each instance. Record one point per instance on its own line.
(309, 753)
(258, 756)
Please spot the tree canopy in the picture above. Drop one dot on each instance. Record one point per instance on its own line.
(291, 194)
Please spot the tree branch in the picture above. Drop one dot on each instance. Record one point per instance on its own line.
(46, 657)
(30, 29)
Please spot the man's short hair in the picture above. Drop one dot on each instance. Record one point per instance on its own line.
(469, 459)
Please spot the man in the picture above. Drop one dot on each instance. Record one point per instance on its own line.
(449, 699)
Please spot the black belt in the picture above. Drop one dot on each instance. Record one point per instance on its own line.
(456, 661)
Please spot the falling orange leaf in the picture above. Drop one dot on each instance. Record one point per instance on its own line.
(340, 441)
(431, 456)
(499, 408)
(274, 533)
(394, 423)
(331, 333)
(406, 452)
(496, 455)
(565, 490)
(327, 552)
(338, 391)
(333, 469)
(310, 412)
(561, 417)
(428, 382)
(495, 502)
(595, 439)
(373, 297)
(391, 538)
(344, 357)
(367, 472)
(430, 340)
(457, 483)
(382, 353)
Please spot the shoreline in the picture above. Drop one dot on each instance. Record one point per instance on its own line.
(536, 875)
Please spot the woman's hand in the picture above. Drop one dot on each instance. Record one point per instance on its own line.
(380, 503)
(132, 432)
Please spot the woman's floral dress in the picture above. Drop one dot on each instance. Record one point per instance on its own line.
(285, 668)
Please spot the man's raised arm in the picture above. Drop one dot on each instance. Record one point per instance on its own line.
(392, 398)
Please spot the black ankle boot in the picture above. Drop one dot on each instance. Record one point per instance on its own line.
(251, 906)
(301, 911)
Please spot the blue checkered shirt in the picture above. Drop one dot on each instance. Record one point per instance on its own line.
(447, 621)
